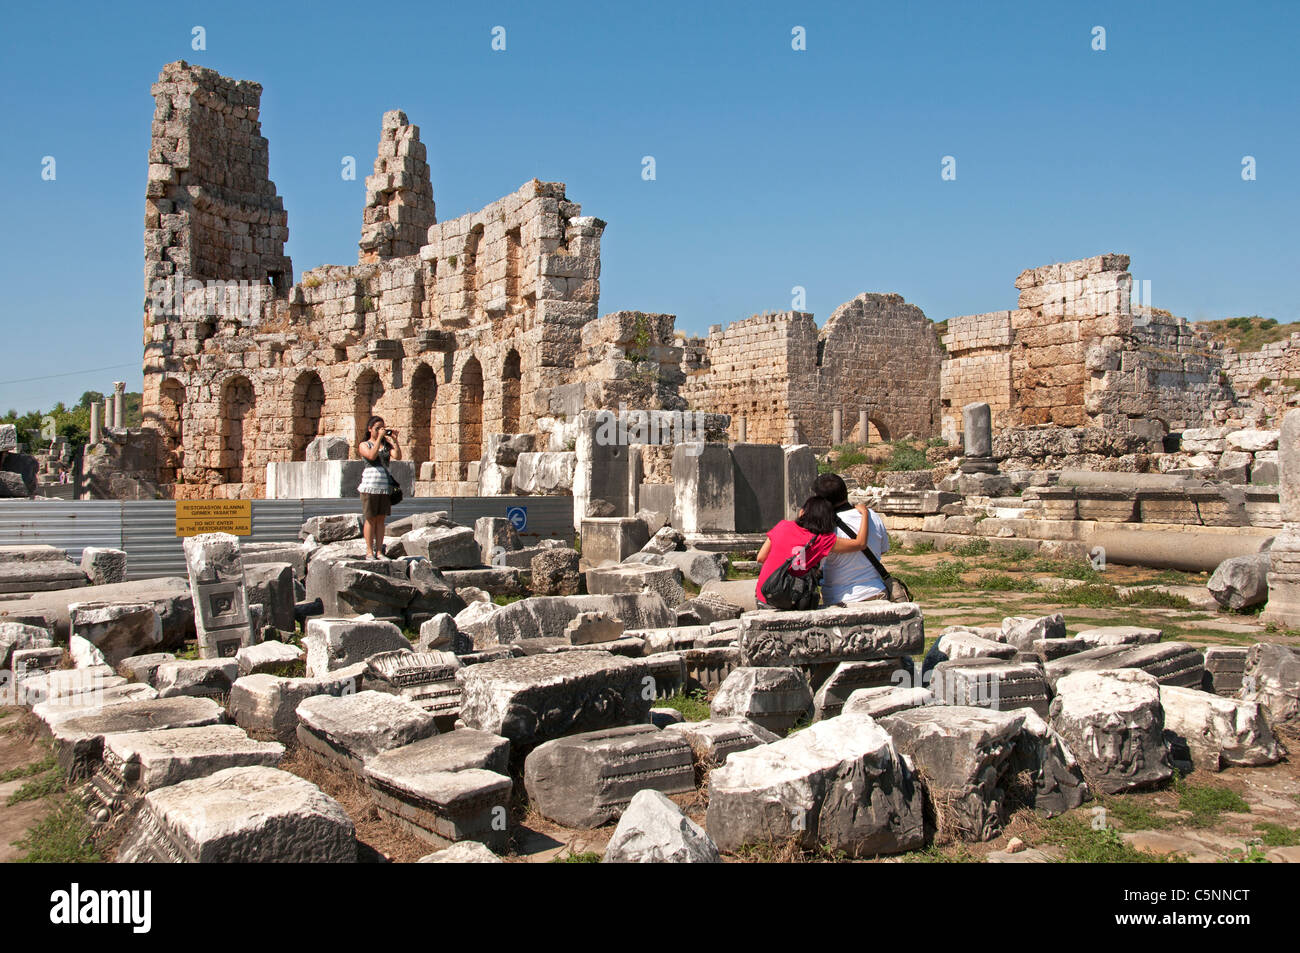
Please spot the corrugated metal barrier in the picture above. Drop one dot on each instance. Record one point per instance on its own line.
(146, 529)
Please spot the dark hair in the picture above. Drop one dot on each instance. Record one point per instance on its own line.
(831, 488)
(369, 426)
(818, 516)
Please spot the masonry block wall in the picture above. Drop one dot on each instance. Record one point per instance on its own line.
(1074, 354)
(450, 330)
(877, 353)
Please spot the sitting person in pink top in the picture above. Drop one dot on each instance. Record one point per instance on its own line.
(813, 534)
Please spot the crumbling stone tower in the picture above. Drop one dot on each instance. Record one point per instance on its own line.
(453, 331)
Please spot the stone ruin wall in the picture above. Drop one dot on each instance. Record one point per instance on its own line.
(478, 332)
(785, 378)
(1269, 376)
(1073, 354)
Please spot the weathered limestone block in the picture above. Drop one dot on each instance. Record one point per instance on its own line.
(426, 678)
(667, 539)
(1225, 665)
(295, 554)
(1241, 582)
(1023, 631)
(588, 628)
(800, 472)
(991, 683)
(337, 643)
(653, 830)
(547, 617)
(349, 730)
(443, 807)
(266, 706)
(631, 577)
(462, 852)
(457, 750)
(334, 528)
(697, 565)
(328, 448)
(118, 630)
(611, 539)
(1272, 678)
(883, 700)
(79, 740)
(1059, 785)
(440, 634)
(200, 678)
(143, 668)
(964, 755)
(840, 783)
(1112, 635)
(270, 585)
(714, 739)
(83, 653)
(775, 698)
(17, 636)
(241, 815)
(446, 548)
(1114, 723)
(855, 633)
(534, 699)
(35, 569)
(849, 677)
(706, 609)
(1172, 663)
(586, 779)
(137, 762)
(555, 573)
(221, 615)
(964, 645)
(103, 566)
(545, 473)
(1253, 441)
(495, 535)
(90, 698)
(1214, 732)
(266, 657)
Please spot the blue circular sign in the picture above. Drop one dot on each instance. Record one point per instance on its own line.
(518, 517)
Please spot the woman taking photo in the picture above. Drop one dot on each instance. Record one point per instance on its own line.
(379, 447)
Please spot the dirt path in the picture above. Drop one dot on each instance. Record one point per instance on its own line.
(17, 750)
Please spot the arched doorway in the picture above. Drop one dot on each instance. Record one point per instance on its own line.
(510, 385)
(308, 405)
(471, 414)
(171, 419)
(239, 416)
(366, 394)
(424, 395)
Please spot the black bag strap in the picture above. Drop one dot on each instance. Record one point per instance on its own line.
(866, 550)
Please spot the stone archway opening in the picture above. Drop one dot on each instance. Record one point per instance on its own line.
(424, 395)
(171, 420)
(511, 382)
(366, 395)
(239, 422)
(308, 406)
(471, 415)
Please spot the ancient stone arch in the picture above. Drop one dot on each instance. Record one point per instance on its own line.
(511, 381)
(470, 413)
(170, 418)
(238, 423)
(367, 392)
(307, 408)
(423, 402)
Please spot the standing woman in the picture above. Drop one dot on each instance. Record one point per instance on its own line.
(375, 487)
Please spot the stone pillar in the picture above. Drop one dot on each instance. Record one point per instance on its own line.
(742, 430)
(800, 472)
(108, 413)
(864, 428)
(705, 488)
(119, 404)
(1284, 555)
(94, 424)
(978, 421)
(837, 427)
(221, 614)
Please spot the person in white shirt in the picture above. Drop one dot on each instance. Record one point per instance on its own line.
(851, 577)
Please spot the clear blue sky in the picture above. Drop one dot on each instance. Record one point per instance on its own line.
(775, 168)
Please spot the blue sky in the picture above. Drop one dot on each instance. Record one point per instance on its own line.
(775, 168)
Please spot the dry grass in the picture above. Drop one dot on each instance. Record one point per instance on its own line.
(389, 841)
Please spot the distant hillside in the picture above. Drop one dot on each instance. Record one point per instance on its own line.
(1248, 334)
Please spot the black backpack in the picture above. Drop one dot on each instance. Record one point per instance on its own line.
(786, 589)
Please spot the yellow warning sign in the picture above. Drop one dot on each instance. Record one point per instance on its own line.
(214, 516)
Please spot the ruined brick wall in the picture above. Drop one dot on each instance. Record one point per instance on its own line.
(631, 358)
(746, 371)
(472, 334)
(976, 369)
(399, 195)
(784, 377)
(211, 209)
(1276, 361)
(1073, 355)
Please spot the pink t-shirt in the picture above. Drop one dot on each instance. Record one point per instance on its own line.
(787, 538)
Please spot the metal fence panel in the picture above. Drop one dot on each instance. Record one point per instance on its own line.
(150, 540)
(71, 525)
(548, 516)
